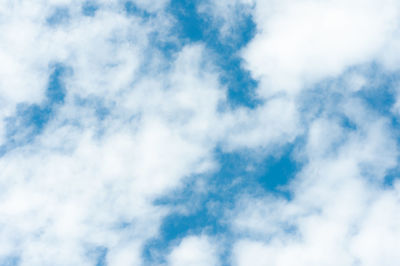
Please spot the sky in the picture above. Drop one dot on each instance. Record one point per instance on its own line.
(199, 133)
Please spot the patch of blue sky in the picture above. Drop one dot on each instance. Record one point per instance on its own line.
(193, 27)
(378, 93)
(380, 96)
(380, 89)
(59, 16)
(101, 257)
(321, 103)
(242, 173)
(56, 91)
(391, 176)
(133, 9)
(89, 8)
(98, 255)
(254, 172)
(10, 261)
(101, 110)
(30, 119)
(177, 226)
(239, 173)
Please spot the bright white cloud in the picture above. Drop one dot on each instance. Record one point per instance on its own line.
(341, 213)
(335, 35)
(302, 42)
(335, 202)
(194, 251)
(76, 189)
(88, 182)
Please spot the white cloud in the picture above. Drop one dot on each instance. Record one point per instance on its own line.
(76, 189)
(377, 237)
(340, 213)
(227, 16)
(300, 38)
(88, 183)
(302, 42)
(273, 123)
(337, 202)
(194, 251)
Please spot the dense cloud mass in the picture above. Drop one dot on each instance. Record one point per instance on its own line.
(199, 133)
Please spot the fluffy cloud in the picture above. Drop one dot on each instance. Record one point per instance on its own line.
(299, 43)
(87, 184)
(303, 42)
(118, 122)
(194, 251)
(337, 202)
(341, 211)
(85, 190)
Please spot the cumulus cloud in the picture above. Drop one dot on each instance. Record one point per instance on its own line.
(302, 42)
(194, 251)
(85, 190)
(335, 199)
(299, 43)
(335, 203)
(128, 127)
(340, 210)
(99, 120)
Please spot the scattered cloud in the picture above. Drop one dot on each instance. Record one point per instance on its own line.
(110, 108)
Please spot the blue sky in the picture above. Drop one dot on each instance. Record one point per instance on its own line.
(178, 132)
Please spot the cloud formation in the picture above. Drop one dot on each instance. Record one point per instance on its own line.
(111, 108)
